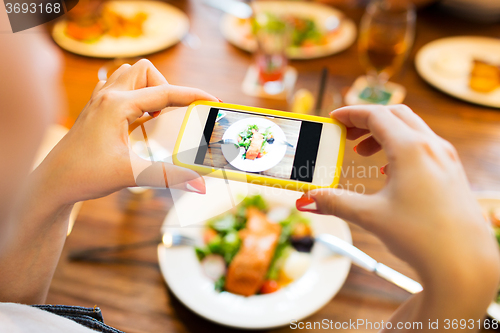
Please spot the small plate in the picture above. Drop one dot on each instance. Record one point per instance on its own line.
(446, 64)
(275, 152)
(487, 201)
(238, 32)
(165, 26)
(303, 297)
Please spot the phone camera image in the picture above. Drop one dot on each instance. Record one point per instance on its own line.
(266, 145)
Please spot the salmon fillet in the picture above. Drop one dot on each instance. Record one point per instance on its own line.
(255, 146)
(247, 272)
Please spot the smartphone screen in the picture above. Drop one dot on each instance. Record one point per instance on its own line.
(271, 146)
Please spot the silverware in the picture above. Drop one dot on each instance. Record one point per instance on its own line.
(173, 239)
(235, 8)
(334, 244)
(234, 142)
(363, 260)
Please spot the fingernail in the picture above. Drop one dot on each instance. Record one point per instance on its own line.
(196, 186)
(355, 149)
(220, 100)
(154, 114)
(305, 204)
(382, 170)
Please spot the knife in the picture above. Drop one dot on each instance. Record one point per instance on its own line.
(363, 260)
(233, 7)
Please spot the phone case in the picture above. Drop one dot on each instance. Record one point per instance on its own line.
(255, 178)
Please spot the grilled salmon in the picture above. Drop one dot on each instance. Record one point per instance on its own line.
(255, 145)
(247, 271)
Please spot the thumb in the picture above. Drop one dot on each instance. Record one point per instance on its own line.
(165, 175)
(354, 207)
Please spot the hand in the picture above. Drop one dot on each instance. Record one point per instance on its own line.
(94, 159)
(426, 214)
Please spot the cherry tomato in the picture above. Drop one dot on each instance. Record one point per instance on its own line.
(208, 235)
(269, 286)
(260, 155)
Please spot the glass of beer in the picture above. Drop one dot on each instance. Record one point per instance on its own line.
(386, 36)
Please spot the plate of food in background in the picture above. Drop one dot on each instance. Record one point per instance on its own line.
(253, 266)
(467, 68)
(119, 29)
(260, 143)
(316, 30)
(490, 205)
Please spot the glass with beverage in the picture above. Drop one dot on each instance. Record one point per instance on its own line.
(272, 36)
(386, 36)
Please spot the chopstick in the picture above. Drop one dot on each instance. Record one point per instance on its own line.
(321, 91)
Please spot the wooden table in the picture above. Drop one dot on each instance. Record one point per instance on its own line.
(132, 293)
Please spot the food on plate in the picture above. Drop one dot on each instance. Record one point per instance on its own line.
(254, 142)
(246, 273)
(105, 21)
(250, 250)
(484, 77)
(495, 217)
(304, 31)
(255, 145)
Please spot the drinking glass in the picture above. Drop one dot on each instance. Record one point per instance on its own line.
(272, 34)
(386, 36)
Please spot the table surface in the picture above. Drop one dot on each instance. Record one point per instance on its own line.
(129, 287)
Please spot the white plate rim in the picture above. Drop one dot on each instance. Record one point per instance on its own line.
(428, 75)
(347, 25)
(259, 323)
(88, 50)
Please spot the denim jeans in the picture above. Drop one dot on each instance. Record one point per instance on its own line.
(88, 317)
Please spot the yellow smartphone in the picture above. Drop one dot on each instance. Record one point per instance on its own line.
(261, 146)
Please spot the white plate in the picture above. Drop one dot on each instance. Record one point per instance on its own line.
(488, 201)
(240, 35)
(446, 64)
(275, 152)
(165, 26)
(326, 275)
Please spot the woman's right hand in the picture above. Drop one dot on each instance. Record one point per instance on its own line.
(426, 214)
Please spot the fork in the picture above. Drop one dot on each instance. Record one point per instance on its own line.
(335, 245)
(234, 142)
(173, 239)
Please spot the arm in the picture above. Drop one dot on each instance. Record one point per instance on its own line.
(91, 161)
(426, 214)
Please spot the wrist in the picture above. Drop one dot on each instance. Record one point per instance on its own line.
(46, 189)
(470, 281)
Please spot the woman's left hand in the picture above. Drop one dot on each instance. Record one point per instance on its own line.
(94, 159)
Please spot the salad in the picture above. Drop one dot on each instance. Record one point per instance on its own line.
(254, 249)
(254, 142)
(303, 31)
